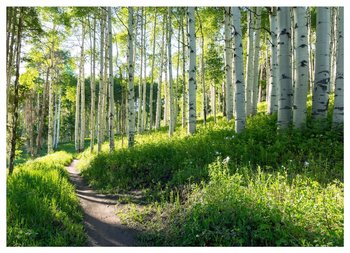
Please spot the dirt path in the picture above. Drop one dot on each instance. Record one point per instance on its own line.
(101, 223)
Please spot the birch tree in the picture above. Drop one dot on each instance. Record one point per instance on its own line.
(111, 85)
(338, 112)
(159, 88)
(171, 91)
(256, 60)
(320, 96)
(272, 105)
(152, 72)
(228, 64)
(144, 109)
(302, 66)
(101, 90)
(239, 75)
(131, 95)
(192, 72)
(286, 92)
(82, 88)
(93, 87)
(249, 64)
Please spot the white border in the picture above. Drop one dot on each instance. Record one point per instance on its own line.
(5, 3)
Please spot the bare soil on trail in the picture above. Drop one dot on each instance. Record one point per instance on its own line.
(101, 223)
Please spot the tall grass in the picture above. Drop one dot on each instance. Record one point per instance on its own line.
(42, 208)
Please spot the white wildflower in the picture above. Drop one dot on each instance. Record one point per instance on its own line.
(306, 163)
(226, 160)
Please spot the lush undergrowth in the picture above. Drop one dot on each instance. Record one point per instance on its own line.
(42, 208)
(260, 187)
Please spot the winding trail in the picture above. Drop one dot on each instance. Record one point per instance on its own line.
(102, 225)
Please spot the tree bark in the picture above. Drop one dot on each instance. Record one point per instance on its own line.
(256, 61)
(286, 91)
(192, 72)
(302, 66)
(239, 75)
(320, 97)
(131, 95)
(93, 89)
(101, 91)
(338, 112)
(152, 72)
(111, 84)
(228, 64)
(16, 91)
(170, 86)
(159, 89)
(82, 89)
(249, 65)
(273, 80)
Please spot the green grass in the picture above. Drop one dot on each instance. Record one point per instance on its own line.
(42, 208)
(278, 188)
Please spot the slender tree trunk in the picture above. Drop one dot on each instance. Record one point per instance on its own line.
(192, 72)
(139, 111)
(338, 112)
(228, 64)
(101, 91)
(213, 100)
(43, 112)
(302, 66)
(320, 97)
(256, 61)
(82, 89)
(249, 65)
(273, 80)
(93, 89)
(131, 95)
(152, 72)
(111, 84)
(166, 94)
(333, 46)
(286, 91)
(170, 64)
(58, 118)
(239, 75)
(159, 89)
(144, 108)
(16, 91)
(183, 72)
(311, 58)
(51, 98)
(204, 95)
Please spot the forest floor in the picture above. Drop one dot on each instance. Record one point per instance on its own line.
(102, 225)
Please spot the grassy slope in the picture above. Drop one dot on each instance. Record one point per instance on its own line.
(274, 189)
(42, 208)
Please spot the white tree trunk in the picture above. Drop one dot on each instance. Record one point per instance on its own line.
(249, 65)
(286, 91)
(320, 97)
(82, 89)
(93, 91)
(302, 66)
(184, 88)
(256, 61)
(101, 91)
(144, 109)
(192, 72)
(159, 90)
(239, 75)
(139, 111)
(111, 84)
(171, 91)
(338, 112)
(131, 94)
(152, 72)
(228, 63)
(213, 100)
(273, 80)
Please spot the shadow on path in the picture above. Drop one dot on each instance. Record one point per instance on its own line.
(102, 225)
